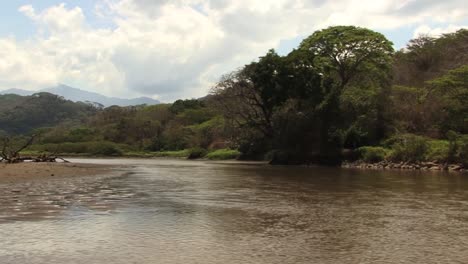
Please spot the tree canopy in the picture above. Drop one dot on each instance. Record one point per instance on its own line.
(348, 51)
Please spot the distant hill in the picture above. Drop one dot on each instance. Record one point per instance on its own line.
(21, 114)
(17, 92)
(78, 95)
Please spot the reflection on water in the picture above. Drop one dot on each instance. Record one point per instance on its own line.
(175, 211)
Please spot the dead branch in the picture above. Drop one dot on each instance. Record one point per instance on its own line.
(9, 155)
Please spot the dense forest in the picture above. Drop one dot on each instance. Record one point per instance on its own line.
(22, 114)
(343, 94)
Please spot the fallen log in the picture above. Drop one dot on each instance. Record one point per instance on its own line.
(10, 155)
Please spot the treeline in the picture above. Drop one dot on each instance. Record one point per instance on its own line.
(344, 88)
(344, 93)
(22, 114)
(186, 127)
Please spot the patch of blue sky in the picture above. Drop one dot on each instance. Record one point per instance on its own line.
(14, 23)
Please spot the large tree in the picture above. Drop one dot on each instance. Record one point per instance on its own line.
(248, 96)
(451, 90)
(348, 52)
(351, 60)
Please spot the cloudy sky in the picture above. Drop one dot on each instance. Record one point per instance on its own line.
(169, 49)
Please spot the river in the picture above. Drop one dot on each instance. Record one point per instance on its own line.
(179, 211)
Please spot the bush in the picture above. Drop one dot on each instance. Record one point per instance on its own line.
(438, 150)
(104, 148)
(94, 147)
(223, 154)
(457, 148)
(373, 154)
(172, 154)
(408, 147)
(196, 153)
(462, 153)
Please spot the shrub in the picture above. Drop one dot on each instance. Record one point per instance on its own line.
(373, 154)
(196, 153)
(461, 154)
(104, 148)
(94, 147)
(223, 154)
(172, 154)
(408, 147)
(458, 148)
(438, 150)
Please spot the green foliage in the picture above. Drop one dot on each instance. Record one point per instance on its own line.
(439, 151)
(180, 106)
(172, 154)
(100, 148)
(408, 147)
(206, 133)
(359, 107)
(105, 149)
(412, 148)
(408, 109)
(458, 148)
(197, 116)
(22, 114)
(451, 90)
(345, 51)
(426, 58)
(462, 151)
(197, 153)
(223, 154)
(373, 154)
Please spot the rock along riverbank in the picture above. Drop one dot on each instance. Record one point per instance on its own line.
(425, 166)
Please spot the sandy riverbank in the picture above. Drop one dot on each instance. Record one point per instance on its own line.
(34, 171)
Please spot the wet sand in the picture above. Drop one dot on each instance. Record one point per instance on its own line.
(10, 173)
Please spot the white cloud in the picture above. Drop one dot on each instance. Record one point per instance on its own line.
(426, 30)
(28, 10)
(23, 67)
(178, 48)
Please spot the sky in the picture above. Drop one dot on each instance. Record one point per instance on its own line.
(171, 49)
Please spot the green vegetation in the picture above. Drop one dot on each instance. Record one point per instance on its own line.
(343, 90)
(409, 148)
(197, 153)
(373, 154)
(99, 148)
(223, 154)
(172, 154)
(21, 114)
(413, 148)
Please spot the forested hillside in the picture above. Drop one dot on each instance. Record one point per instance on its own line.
(344, 93)
(22, 114)
(185, 124)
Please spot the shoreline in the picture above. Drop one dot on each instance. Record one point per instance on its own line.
(27, 171)
(421, 166)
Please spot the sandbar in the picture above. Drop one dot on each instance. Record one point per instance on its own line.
(10, 173)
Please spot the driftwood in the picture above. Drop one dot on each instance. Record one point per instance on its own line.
(10, 155)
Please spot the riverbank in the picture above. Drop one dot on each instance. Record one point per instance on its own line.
(37, 171)
(194, 153)
(387, 165)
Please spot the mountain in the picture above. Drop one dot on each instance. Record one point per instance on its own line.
(17, 92)
(78, 95)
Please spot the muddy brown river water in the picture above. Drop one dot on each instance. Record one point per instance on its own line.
(178, 211)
